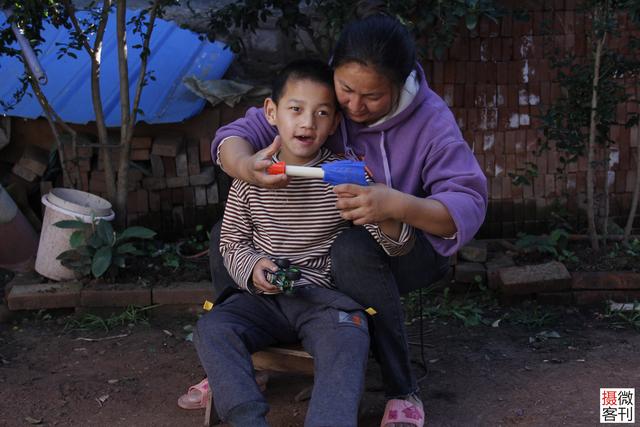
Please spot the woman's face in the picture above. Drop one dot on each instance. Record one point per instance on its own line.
(364, 94)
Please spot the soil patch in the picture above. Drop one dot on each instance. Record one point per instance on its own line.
(541, 367)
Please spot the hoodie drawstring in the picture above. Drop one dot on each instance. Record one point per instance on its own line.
(385, 161)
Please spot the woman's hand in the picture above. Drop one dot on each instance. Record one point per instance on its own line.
(372, 204)
(255, 168)
(260, 281)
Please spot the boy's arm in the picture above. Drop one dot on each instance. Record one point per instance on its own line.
(236, 236)
(396, 238)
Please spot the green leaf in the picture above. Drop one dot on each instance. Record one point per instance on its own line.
(126, 248)
(70, 254)
(471, 21)
(95, 241)
(101, 261)
(137, 233)
(105, 231)
(77, 239)
(118, 260)
(70, 223)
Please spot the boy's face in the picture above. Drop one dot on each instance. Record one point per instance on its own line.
(305, 116)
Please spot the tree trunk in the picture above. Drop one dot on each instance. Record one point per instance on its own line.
(593, 233)
(125, 138)
(636, 195)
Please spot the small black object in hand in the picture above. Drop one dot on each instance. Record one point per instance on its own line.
(285, 276)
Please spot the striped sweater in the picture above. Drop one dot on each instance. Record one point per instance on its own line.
(299, 222)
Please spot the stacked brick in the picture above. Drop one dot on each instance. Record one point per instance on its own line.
(172, 182)
(32, 164)
(498, 80)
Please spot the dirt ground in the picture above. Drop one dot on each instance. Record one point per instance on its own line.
(543, 370)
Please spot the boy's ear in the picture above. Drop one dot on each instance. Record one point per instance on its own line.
(336, 122)
(270, 109)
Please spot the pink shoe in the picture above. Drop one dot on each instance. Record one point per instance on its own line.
(400, 411)
(196, 397)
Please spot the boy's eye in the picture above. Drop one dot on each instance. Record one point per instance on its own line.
(294, 108)
(323, 113)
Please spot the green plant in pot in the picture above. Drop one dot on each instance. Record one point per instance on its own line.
(96, 248)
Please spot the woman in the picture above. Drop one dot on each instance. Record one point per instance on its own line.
(425, 174)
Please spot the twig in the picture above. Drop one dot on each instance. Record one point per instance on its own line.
(102, 339)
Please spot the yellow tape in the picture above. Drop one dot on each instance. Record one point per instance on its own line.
(370, 311)
(208, 305)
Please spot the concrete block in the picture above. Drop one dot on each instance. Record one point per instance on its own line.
(140, 154)
(157, 166)
(44, 295)
(620, 280)
(167, 145)
(200, 194)
(177, 181)
(533, 279)
(23, 172)
(154, 183)
(206, 177)
(469, 272)
(183, 293)
(141, 142)
(122, 295)
(474, 251)
(182, 166)
(193, 157)
(34, 159)
(494, 266)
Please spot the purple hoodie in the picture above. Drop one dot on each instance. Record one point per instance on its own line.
(419, 151)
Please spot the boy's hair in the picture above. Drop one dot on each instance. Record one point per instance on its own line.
(302, 69)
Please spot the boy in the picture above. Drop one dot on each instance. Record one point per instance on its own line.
(299, 223)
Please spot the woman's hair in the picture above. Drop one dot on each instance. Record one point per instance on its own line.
(302, 69)
(378, 40)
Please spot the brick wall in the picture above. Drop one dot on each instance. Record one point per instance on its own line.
(173, 184)
(497, 80)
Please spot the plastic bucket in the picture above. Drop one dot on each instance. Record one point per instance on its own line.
(65, 204)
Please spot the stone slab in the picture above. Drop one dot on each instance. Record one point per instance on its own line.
(44, 295)
(587, 297)
(468, 272)
(122, 295)
(534, 279)
(474, 251)
(605, 280)
(183, 293)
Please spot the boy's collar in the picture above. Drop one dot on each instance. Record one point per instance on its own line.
(316, 159)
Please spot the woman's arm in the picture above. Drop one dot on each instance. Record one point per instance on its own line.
(238, 159)
(378, 203)
(243, 148)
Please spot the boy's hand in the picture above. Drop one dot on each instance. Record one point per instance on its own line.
(256, 168)
(260, 281)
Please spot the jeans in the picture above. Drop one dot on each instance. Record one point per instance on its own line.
(363, 271)
(332, 328)
(223, 283)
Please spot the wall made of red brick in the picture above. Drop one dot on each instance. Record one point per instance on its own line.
(498, 80)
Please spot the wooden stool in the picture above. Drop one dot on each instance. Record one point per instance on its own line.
(285, 358)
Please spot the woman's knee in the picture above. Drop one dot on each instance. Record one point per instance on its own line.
(353, 247)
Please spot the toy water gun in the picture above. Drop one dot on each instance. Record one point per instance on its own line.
(338, 172)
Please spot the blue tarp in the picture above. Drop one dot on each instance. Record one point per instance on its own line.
(175, 54)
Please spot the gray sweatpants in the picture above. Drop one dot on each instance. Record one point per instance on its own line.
(332, 328)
